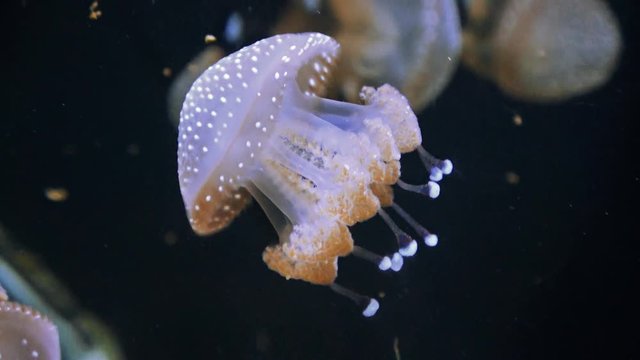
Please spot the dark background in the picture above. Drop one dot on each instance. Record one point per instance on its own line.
(543, 269)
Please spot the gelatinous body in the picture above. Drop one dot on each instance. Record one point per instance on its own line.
(413, 45)
(542, 50)
(535, 50)
(29, 281)
(183, 81)
(25, 333)
(254, 125)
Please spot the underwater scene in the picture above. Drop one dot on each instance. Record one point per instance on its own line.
(319, 179)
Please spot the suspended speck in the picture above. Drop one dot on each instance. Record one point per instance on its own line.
(209, 39)
(56, 194)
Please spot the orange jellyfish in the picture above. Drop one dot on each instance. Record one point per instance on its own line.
(255, 125)
(25, 333)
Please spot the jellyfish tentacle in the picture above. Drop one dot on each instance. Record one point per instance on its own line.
(407, 246)
(435, 167)
(429, 238)
(279, 221)
(369, 305)
(382, 262)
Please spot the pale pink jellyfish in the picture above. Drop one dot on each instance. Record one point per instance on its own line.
(542, 50)
(254, 125)
(25, 333)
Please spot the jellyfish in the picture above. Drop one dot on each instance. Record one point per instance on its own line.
(411, 44)
(542, 50)
(29, 281)
(25, 333)
(255, 125)
(182, 83)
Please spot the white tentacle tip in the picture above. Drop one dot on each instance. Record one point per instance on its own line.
(371, 308)
(434, 189)
(409, 250)
(446, 166)
(431, 240)
(385, 264)
(436, 174)
(396, 262)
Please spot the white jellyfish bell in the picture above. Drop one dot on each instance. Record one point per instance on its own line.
(255, 125)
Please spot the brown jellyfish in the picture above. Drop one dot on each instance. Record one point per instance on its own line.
(25, 333)
(542, 50)
(254, 125)
(413, 45)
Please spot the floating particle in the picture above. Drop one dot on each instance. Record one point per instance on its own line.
(167, 72)
(170, 238)
(517, 120)
(57, 194)
(209, 39)
(94, 12)
(396, 348)
(512, 178)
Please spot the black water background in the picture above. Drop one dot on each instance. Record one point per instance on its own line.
(545, 269)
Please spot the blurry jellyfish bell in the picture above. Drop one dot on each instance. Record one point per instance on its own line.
(181, 84)
(25, 333)
(542, 50)
(413, 45)
(255, 125)
(28, 334)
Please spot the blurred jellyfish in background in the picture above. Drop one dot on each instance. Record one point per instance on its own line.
(413, 45)
(77, 334)
(183, 81)
(25, 333)
(542, 50)
(534, 50)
